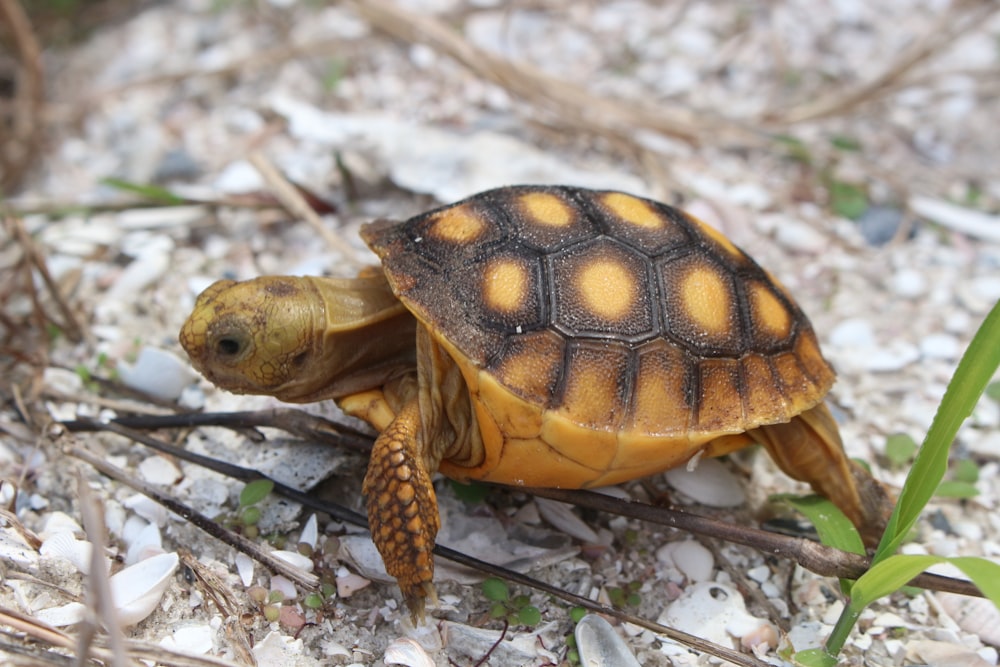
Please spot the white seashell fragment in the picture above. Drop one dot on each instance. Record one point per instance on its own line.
(310, 532)
(59, 522)
(600, 646)
(562, 517)
(710, 483)
(158, 373)
(60, 617)
(160, 470)
(137, 589)
(244, 565)
(712, 611)
(67, 547)
(285, 586)
(144, 544)
(294, 559)
(197, 639)
(690, 557)
(277, 649)
(406, 651)
(978, 616)
(147, 508)
(350, 583)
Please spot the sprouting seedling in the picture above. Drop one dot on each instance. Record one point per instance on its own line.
(517, 610)
(889, 570)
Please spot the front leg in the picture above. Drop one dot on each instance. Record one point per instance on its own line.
(402, 508)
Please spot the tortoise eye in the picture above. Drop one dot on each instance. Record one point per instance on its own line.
(228, 347)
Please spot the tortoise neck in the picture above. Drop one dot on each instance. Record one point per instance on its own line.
(367, 336)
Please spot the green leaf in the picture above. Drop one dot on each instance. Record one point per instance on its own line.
(153, 193)
(815, 657)
(834, 528)
(847, 200)
(845, 143)
(887, 577)
(255, 491)
(529, 616)
(985, 574)
(900, 448)
(956, 489)
(993, 390)
(974, 372)
(577, 613)
(495, 589)
(795, 149)
(965, 470)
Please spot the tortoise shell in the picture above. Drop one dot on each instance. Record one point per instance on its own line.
(620, 332)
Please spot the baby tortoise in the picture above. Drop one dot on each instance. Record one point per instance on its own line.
(539, 336)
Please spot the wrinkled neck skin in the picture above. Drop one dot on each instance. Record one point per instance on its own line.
(364, 338)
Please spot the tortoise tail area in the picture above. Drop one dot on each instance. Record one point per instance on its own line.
(808, 448)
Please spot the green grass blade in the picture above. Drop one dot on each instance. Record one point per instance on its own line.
(153, 193)
(984, 573)
(888, 577)
(834, 528)
(977, 367)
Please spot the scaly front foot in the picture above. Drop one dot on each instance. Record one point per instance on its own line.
(402, 509)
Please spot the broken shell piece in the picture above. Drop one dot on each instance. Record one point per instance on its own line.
(294, 559)
(406, 651)
(310, 532)
(690, 557)
(712, 611)
(64, 545)
(562, 517)
(60, 617)
(137, 589)
(599, 645)
(244, 565)
(348, 584)
(709, 483)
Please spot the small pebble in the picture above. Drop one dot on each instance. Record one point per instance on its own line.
(908, 283)
(159, 470)
(852, 333)
(800, 237)
(895, 356)
(940, 346)
(879, 224)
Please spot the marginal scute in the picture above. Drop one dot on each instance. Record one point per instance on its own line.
(530, 365)
(763, 398)
(661, 390)
(718, 385)
(595, 382)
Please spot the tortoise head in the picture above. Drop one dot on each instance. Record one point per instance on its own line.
(297, 339)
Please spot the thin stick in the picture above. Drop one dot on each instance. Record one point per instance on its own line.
(296, 204)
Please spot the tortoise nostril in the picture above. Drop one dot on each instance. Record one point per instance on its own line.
(228, 347)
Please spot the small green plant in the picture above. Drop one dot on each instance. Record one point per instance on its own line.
(890, 571)
(625, 596)
(247, 517)
(517, 610)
